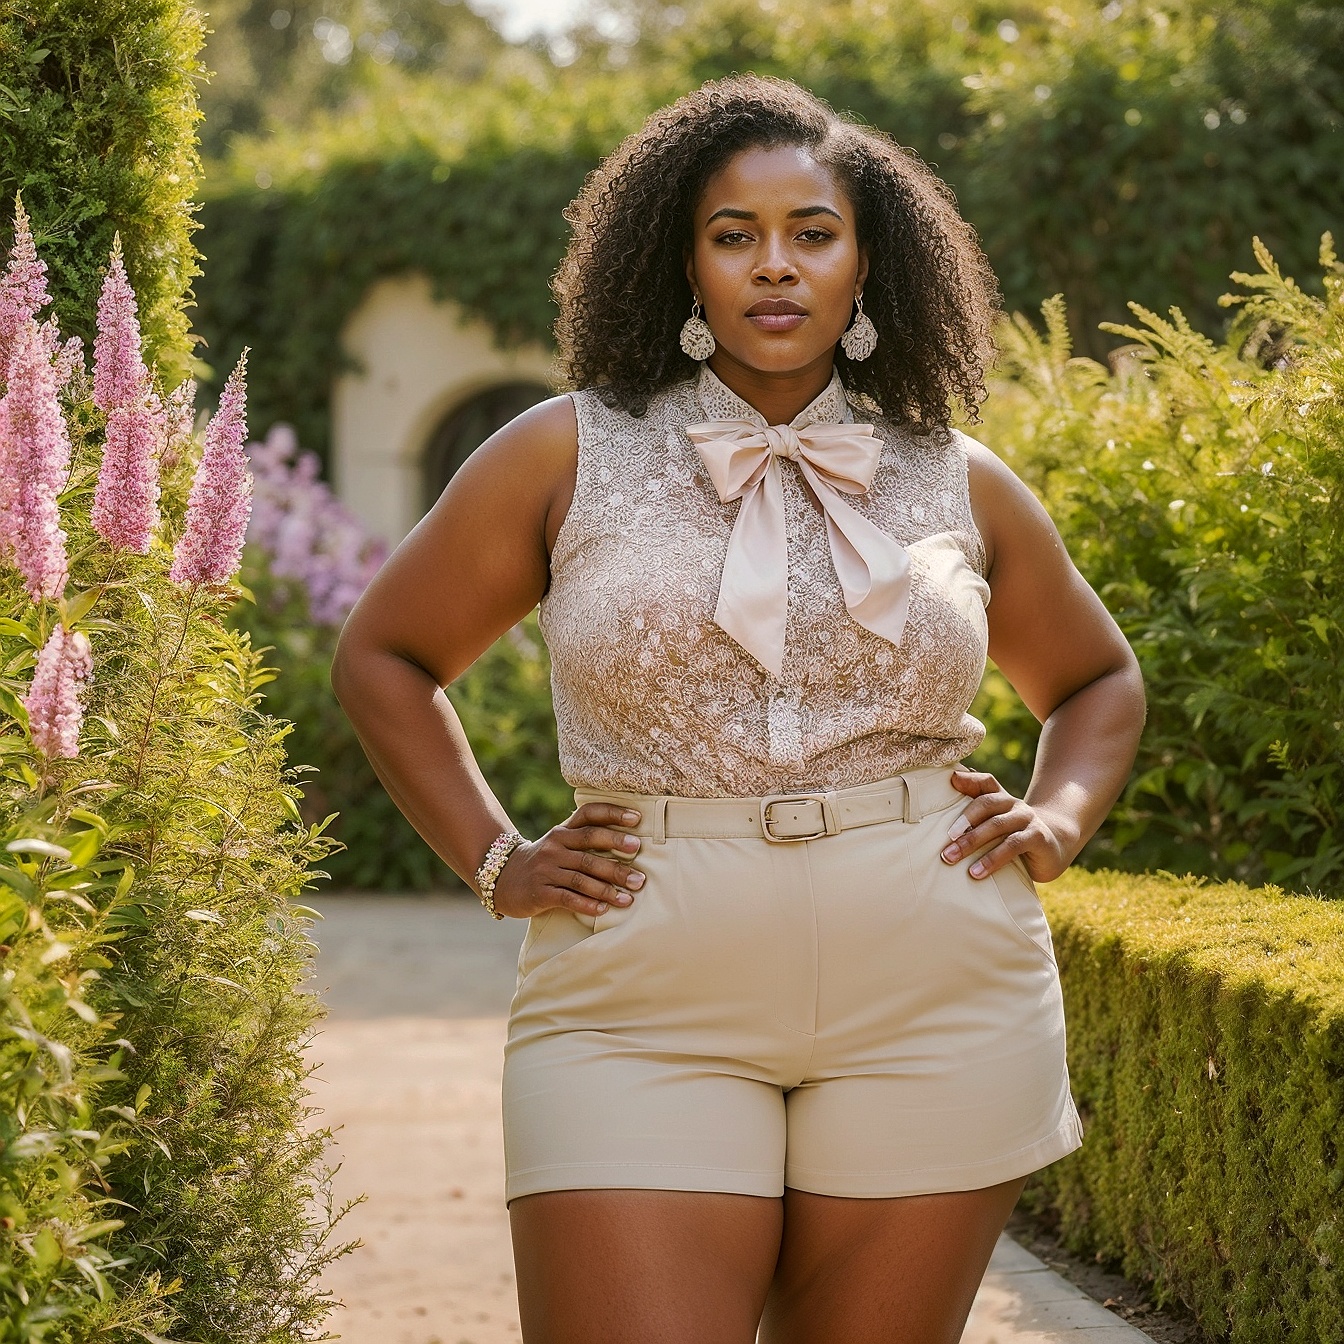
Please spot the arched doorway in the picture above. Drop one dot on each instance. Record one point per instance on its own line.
(467, 426)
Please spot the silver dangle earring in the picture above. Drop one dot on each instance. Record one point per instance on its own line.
(861, 339)
(696, 338)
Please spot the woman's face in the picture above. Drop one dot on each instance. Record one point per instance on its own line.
(775, 259)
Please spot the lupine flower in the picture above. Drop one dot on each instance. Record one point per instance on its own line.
(53, 702)
(125, 503)
(211, 544)
(34, 460)
(306, 533)
(119, 374)
(23, 287)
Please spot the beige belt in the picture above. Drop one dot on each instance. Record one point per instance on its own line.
(787, 817)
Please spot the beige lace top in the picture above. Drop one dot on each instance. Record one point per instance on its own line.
(652, 696)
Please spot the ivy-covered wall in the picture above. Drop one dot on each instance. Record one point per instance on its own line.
(97, 130)
(286, 267)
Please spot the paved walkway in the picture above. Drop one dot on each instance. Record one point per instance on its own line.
(418, 990)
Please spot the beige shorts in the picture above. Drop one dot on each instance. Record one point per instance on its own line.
(845, 1014)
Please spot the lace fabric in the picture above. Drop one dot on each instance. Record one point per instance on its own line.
(652, 696)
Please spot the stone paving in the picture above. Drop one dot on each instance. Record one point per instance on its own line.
(418, 990)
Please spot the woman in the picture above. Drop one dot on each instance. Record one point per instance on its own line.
(788, 1036)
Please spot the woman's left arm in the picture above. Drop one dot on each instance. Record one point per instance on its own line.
(1065, 656)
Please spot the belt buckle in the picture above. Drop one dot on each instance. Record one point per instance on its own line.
(828, 824)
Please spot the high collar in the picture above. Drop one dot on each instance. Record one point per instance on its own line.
(720, 402)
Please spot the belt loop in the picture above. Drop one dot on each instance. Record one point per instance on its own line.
(659, 835)
(913, 812)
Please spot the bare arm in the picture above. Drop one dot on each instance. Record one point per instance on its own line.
(1067, 659)
(474, 566)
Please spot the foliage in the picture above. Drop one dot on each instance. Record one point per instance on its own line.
(1202, 495)
(1206, 1052)
(273, 66)
(1102, 152)
(302, 586)
(97, 117)
(160, 1168)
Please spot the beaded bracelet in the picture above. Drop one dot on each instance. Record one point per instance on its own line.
(493, 864)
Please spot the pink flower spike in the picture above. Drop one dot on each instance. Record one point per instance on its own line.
(54, 704)
(23, 287)
(211, 546)
(119, 374)
(125, 503)
(34, 461)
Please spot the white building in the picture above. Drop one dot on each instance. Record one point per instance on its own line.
(434, 385)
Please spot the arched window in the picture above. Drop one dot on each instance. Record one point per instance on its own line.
(468, 425)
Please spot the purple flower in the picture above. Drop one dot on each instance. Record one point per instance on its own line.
(23, 287)
(211, 544)
(306, 534)
(34, 460)
(119, 374)
(53, 702)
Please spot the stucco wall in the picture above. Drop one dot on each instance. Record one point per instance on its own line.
(421, 359)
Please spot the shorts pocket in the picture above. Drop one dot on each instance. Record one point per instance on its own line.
(550, 934)
(1017, 895)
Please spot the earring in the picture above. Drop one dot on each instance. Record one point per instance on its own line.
(696, 338)
(861, 339)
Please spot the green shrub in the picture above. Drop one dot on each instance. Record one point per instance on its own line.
(160, 1170)
(97, 118)
(1206, 1049)
(1201, 495)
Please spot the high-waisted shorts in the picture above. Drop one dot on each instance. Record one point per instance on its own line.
(844, 1014)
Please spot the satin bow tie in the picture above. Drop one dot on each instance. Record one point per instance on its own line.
(835, 460)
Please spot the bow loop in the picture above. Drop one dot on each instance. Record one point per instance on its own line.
(835, 460)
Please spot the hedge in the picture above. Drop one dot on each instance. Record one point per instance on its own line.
(1206, 1048)
(97, 130)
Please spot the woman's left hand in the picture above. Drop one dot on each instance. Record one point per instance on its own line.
(1014, 828)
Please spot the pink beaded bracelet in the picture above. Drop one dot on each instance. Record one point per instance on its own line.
(493, 864)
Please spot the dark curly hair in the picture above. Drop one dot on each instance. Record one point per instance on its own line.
(622, 285)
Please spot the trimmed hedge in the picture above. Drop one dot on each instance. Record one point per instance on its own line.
(97, 130)
(1206, 1045)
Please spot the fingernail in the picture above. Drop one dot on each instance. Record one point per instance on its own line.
(950, 853)
(624, 898)
(630, 842)
(977, 870)
(635, 880)
(958, 827)
(630, 816)
(601, 907)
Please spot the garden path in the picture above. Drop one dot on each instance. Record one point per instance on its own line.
(418, 989)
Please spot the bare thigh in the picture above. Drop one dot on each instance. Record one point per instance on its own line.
(647, 1266)
(883, 1271)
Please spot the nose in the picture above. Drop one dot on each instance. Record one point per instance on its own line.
(774, 266)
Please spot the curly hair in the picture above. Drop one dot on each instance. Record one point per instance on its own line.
(622, 287)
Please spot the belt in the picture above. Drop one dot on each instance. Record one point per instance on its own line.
(785, 818)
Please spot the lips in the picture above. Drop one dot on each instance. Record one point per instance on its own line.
(773, 307)
(776, 314)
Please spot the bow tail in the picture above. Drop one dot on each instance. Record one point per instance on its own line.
(753, 604)
(872, 566)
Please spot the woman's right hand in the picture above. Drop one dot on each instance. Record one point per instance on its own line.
(564, 869)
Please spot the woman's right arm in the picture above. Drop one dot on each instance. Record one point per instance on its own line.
(473, 567)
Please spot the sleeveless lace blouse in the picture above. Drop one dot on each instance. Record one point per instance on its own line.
(652, 696)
